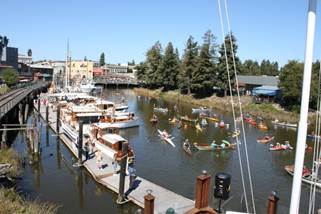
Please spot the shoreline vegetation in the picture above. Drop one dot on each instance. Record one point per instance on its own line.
(266, 111)
(10, 200)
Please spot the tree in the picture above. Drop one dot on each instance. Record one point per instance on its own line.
(169, 68)
(268, 68)
(204, 75)
(29, 52)
(189, 66)
(291, 83)
(141, 73)
(10, 76)
(102, 59)
(153, 60)
(222, 75)
(250, 67)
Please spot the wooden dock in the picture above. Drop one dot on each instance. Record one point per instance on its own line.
(164, 198)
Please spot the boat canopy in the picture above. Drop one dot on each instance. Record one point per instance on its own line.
(266, 90)
(113, 138)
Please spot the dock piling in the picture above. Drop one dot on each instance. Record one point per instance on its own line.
(149, 203)
(47, 114)
(38, 104)
(58, 118)
(80, 139)
(123, 164)
(273, 202)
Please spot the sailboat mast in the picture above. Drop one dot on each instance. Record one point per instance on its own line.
(303, 122)
(66, 66)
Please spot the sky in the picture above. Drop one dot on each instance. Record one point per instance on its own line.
(125, 29)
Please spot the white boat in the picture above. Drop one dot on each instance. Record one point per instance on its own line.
(166, 139)
(121, 108)
(88, 87)
(163, 110)
(284, 124)
(69, 131)
(199, 110)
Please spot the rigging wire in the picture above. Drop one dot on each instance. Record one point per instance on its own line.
(316, 152)
(240, 106)
(233, 111)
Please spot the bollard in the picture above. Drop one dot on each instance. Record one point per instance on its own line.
(58, 119)
(273, 202)
(123, 164)
(149, 203)
(47, 115)
(80, 143)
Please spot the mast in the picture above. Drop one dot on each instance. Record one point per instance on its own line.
(66, 66)
(303, 122)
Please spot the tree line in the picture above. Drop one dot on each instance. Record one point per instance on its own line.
(200, 70)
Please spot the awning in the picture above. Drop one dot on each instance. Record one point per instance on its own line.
(265, 90)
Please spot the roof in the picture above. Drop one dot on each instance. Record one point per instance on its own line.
(258, 80)
(113, 138)
(265, 90)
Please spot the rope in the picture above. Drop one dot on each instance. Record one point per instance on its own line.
(240, 106)
(316, 153)
(232, 103)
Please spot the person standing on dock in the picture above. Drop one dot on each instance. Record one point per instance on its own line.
(99, 159)
(132, 175)
(86, 150)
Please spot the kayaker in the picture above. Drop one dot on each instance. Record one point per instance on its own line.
(213, 145)
(186, 143)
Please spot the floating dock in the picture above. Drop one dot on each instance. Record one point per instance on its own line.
(164, 198)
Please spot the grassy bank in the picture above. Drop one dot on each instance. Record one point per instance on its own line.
(11, 202)
(266, 111)
(11, 157)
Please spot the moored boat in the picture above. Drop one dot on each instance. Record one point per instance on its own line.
(284, 124)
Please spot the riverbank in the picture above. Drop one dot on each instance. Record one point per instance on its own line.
(265, 111)
(12, 202)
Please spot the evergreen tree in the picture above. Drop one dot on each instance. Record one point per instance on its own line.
(29, 52)
(153, 60)
(102, 59)
(222, 77)
(268, 68)
(291, 83)
(141, 73)
(189, 65)
(169, 68)
(250, 67)
(203, 76)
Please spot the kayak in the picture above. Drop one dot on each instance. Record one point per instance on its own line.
(166, 139)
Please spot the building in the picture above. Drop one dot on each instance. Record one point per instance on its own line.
(9, 57)
(59, 69)
(42, 71)
(98, 72)
(249, 82)
(113, 68)
(25, 59)
(80, 69)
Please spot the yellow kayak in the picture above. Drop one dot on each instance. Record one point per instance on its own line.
(198, 127)
(214, 119)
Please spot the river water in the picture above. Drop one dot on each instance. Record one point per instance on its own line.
(54, 179)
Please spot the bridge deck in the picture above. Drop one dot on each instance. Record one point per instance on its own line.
(163, 198)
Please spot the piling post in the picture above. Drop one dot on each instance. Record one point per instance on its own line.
(26, 111)
(47, 115)
(58, 119)
(4, 137)
(123, 163)
(20, 113)
(202, 195)
(80, 143)
(149, 203)
(273, 202)
(38, 105)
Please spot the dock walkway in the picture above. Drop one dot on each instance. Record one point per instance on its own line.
(164, 198)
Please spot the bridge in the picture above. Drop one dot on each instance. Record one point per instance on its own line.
(117, 79)
(18, 96)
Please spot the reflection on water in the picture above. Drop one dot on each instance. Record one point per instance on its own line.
(54, 178)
